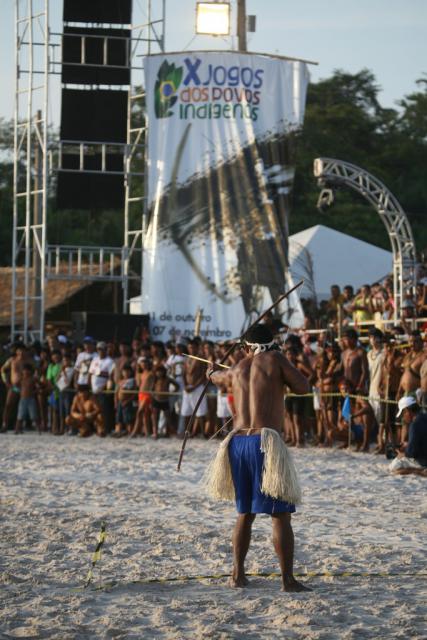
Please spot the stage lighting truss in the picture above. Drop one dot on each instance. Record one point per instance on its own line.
(332, 174)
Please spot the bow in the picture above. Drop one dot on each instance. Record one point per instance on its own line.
(223, 359)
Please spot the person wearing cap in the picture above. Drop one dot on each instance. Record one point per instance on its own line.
(101, 380)
(412, 456)
(83, 360)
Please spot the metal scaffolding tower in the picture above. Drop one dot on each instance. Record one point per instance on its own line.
(30, 166)
(38, 56)
(331, 172)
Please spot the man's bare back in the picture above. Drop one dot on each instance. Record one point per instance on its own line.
(258, 385)
(269, 373)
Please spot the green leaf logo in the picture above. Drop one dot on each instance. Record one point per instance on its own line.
(168, 80)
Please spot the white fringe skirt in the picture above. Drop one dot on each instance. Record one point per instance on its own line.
(279, 476)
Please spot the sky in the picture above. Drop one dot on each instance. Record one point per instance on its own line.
(389, 37)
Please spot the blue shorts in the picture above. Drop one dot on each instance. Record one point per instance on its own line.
(27, 407)
(246, 460)
(358, 431)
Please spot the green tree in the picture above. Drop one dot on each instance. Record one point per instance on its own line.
(344, 120)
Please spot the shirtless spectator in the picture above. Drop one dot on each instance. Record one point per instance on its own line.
(208, 348)
(11, 373)
(294, 405)
(354, 361)
(125, 399)
(261, 375)
(194, 376)
(355, 414)
(160, 400)
(336, 300)
(319, 366)
(157, 354)
(330, 380)
(411, 365)
(85, 415)
(388, 386)
(145, 379)
(27, 407)
(43, 391)
(124, 359)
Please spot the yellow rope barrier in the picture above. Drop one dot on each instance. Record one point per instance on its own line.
(259, 574)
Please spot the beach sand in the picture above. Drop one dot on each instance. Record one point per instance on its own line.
(55, 492)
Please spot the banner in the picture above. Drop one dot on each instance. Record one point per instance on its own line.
(220, 172)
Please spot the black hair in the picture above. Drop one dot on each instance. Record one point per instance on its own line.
(351, 333)
(260, 333)
(127, 367)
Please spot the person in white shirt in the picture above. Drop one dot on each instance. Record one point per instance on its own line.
(83, 361)
(101, 380)
(375, 360)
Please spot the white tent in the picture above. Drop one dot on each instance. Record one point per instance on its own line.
(325, 257)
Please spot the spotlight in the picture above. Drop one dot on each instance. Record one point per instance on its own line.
(326, 199)
(213, 18)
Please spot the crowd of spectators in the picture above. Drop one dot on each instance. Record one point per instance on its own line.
(150, 388)
(370, 303)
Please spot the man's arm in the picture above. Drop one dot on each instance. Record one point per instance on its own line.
(365, 369)
(5, 372)
(218, 377)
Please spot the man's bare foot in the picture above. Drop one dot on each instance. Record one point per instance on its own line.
(238, 582)
(290, 585)
(343, 445)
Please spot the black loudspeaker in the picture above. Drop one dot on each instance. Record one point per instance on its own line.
(94, 116)
(109, 326)
(93, 56)
(99, 11)
(83, 48)
(85, 190)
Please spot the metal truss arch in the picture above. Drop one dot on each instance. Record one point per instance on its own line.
(331, 172)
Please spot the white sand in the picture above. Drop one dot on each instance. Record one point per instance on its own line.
(55, 491)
